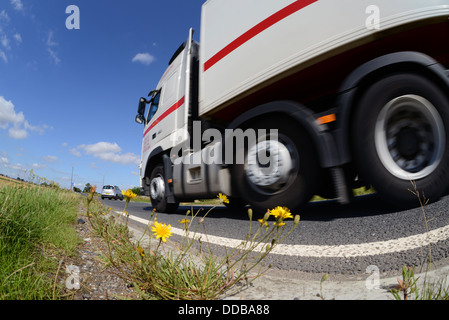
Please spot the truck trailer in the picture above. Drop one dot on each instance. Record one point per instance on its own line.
(282, 100)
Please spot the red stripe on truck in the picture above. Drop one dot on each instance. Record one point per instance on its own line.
(254, 31)
(165, 114)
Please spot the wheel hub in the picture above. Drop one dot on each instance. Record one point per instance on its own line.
(410, 137)
(269, 164)
(408, 143)
(157, 188)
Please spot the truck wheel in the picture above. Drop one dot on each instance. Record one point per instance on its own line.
(157, 192)
(289, 177)
(401, 134)
(235, 203)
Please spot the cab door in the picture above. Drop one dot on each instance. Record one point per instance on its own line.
(168, 114)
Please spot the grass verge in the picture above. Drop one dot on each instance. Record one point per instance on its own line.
(37, 231)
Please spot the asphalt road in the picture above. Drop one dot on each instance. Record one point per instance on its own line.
(331, 238)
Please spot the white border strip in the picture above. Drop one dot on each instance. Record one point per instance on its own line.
(340, 251)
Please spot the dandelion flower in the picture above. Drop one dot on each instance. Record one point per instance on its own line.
(279, 224)
(281, 213)
(161, 231)
(142, 253)
(223, 198)
(129, 194)
(184, 221)
(263, 222)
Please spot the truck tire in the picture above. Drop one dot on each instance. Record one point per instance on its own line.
(157, 192)
(235, 203)
(400, 136)
(292, 179)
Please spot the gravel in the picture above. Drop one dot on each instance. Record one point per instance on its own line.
(96, 280)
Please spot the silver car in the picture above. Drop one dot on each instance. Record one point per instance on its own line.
(111, 192)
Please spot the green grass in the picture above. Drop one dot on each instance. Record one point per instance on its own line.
(36, 231)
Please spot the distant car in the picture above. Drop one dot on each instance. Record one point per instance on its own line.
(111, 192)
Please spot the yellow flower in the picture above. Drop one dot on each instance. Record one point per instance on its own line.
(281, 213)
(263, 222)
(129, 194)
(223, 198)
(279, 224)
(142, 253)
(161, 231)
(184, 221)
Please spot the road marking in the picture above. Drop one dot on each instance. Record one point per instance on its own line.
(320, 251)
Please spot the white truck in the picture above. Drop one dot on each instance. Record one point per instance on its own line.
(338, 94)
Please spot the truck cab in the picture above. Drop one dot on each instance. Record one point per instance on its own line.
(166, 120)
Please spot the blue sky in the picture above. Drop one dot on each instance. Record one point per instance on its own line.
(68, 97)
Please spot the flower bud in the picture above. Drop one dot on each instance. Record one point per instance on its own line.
(250, 214)
(266, 216)
(296, 221)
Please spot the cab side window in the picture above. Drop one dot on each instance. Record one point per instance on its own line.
(154, 106)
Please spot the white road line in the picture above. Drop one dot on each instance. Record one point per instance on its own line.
(340, 251)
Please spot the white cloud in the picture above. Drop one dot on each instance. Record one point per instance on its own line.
(144, 58)
(39, 166)
(15, 167)
(93, 166)
(50, 42)
(17, 4)
(38, 129)
(101, 148)
(18, 38)
(50, 159)
(110, 152)
(4, 17)
(17, 133)
(3, 56)
(54, 56)
(8, 114)
(75, 152)
(5, 42)
(50, 45)
(6, 37)
(20, 126)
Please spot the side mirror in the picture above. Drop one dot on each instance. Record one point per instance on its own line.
(140, 118)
